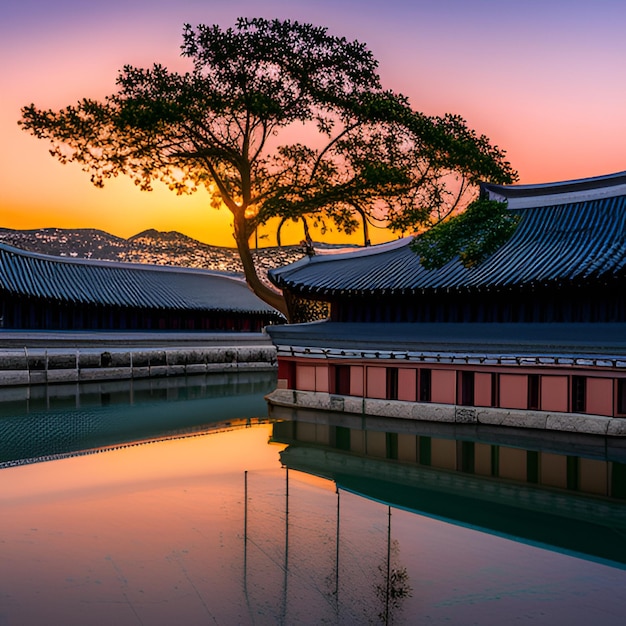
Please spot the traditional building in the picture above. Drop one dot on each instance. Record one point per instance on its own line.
(538, 328)
(45, 292)
(505, 483)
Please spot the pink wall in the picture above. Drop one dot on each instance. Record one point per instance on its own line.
(376, 382)
(599, 396)
(554, 393)
(305, 377)
(482, 389)
(321, 378)
(356, 381)
(312, 377)
(407, 379)
(371, 381)
(513, 391)
(443, 386)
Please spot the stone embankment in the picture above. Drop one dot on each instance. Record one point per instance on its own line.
(450, 413)
(117, 359)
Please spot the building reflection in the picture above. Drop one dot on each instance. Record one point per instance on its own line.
(45, 421)
(318, 527)
(566, 493)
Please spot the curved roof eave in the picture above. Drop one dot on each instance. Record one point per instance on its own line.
(279, 275)
(568, 244)
(91, 282)
(555, 193)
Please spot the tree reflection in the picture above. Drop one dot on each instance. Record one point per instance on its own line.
(395, 587)
(367, 586)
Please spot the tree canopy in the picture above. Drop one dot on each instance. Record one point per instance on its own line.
(227, 125)
(472, 235)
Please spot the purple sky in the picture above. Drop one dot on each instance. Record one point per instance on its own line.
(545, 80)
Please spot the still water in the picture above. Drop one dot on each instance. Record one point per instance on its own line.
(180, 502)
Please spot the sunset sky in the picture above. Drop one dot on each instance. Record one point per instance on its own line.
(543, 79)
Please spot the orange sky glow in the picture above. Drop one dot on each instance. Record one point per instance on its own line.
(544, 81)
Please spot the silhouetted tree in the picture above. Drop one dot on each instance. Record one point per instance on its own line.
(472, 235)
(220, 126)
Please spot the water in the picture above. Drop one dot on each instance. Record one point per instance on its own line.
(180, 502)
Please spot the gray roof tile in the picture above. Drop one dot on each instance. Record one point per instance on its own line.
(569, 243)
(121, 284)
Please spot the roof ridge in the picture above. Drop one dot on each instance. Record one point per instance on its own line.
(364, 251)
(148, 267)
(557, 193)
(367, 251)
(552, 244)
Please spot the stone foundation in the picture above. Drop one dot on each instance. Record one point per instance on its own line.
(450, 413)
(39, 366)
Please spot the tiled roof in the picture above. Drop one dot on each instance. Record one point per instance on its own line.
(502, 341)
(123, 284)
(572, 243)
(564, 192)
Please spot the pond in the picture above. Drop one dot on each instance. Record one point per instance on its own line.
(181, 501)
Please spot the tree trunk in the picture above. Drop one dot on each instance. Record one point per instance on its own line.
(282, 221)
(268, 296)
(307, 234)
(366, 232)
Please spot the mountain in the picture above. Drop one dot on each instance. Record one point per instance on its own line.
(80, 242)
(150, 246)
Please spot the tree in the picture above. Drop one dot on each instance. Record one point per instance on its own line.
(219, 126)
(472, 235)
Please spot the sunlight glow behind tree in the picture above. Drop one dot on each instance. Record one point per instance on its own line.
(219, 127)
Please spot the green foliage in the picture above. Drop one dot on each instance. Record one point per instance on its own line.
(225, 126)
(472, 235)
(217, 125)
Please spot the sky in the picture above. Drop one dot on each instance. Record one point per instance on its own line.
(545, 80)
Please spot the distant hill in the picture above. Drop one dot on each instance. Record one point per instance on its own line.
(80, 242)
(150, 246)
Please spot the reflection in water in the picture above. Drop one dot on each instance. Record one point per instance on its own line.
(568, 495)
(320, 555)
(377, 602)
(339, 522)
(50, 420)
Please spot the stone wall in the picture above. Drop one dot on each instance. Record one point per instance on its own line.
(41, 366)
(450, 413)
